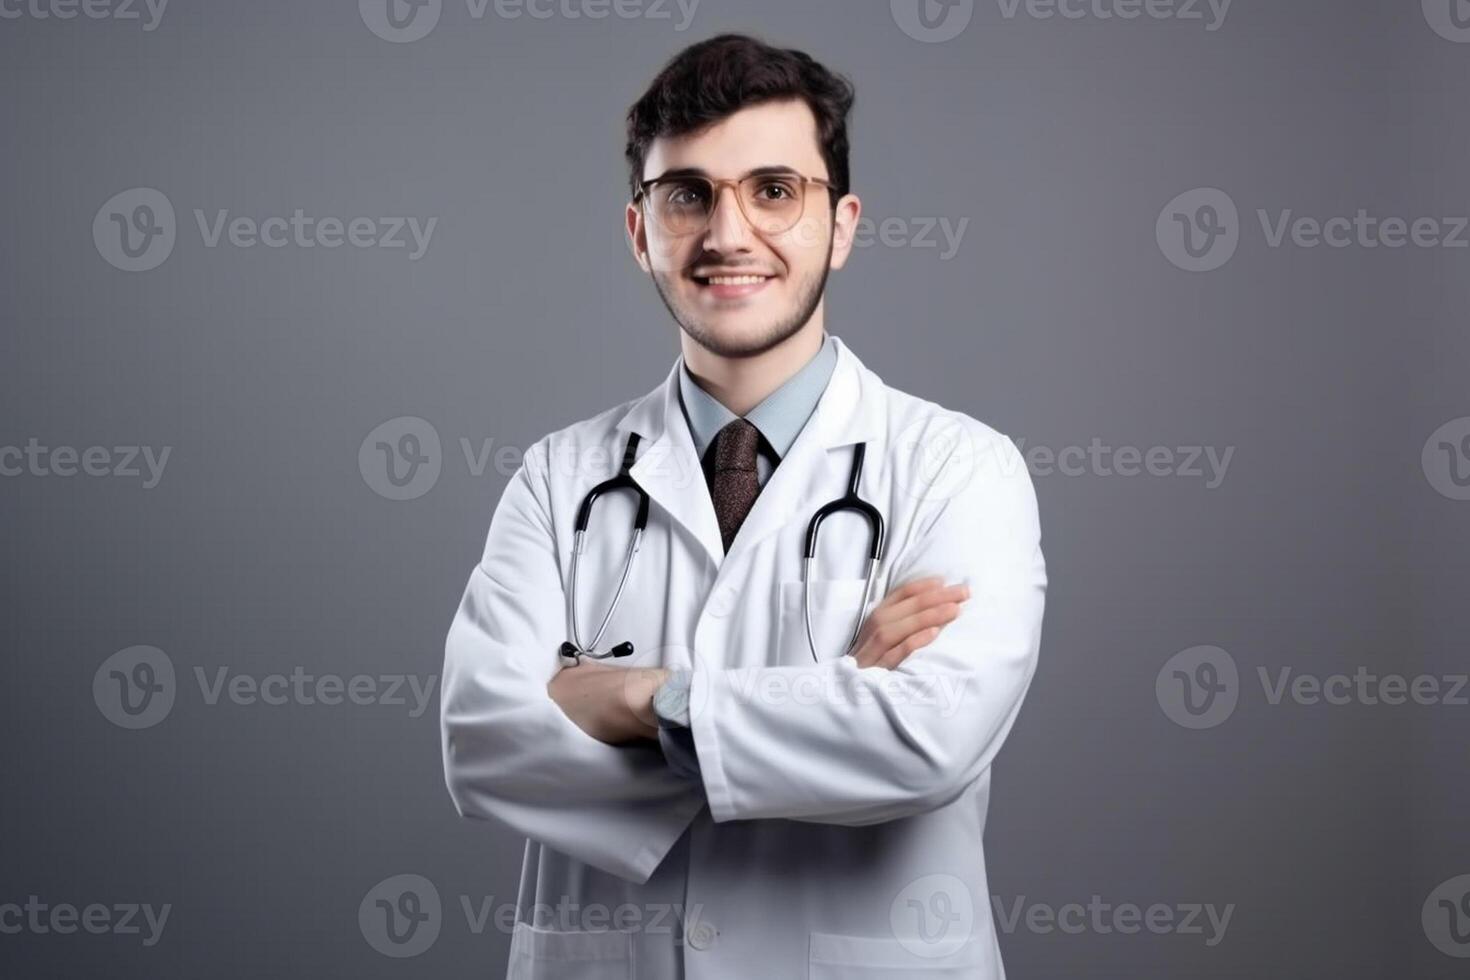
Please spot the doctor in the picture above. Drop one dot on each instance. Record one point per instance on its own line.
(731, 801)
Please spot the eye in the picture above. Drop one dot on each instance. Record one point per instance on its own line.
(686, 194)
(775, 189)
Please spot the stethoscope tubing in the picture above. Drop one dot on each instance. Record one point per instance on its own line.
(587, 650)
(876, 546)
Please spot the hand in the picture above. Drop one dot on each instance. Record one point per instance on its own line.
(908, 618)
(612, 704)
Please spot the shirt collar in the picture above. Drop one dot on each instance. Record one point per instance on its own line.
(779, 417)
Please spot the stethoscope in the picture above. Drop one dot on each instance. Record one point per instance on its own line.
(574, 649)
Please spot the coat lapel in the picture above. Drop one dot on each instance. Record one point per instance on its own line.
(667, 467)
(814, 471)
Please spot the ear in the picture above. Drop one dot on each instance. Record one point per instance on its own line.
(844, 228)
(637, 234)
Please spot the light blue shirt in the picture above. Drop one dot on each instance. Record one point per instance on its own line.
(779, 417)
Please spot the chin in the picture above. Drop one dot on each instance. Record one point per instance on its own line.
(737, 329)
(737, 334)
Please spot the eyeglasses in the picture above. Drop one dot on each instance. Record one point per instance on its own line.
(771, 202)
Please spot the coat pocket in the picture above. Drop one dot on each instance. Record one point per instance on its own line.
(836, 605)
(546, 954)
(833, 957)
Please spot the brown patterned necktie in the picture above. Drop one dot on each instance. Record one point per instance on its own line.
(734, 484)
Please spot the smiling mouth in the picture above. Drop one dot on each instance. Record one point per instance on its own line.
(731, 287)
(743, 280)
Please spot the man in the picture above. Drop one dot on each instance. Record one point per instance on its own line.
(743, 797)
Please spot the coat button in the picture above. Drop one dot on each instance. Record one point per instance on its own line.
(702, 935)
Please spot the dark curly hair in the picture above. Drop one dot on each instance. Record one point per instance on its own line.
(715, 78)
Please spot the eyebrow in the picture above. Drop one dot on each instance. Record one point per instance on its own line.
(767, 171)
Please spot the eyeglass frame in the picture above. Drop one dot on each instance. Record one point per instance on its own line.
(718, 184)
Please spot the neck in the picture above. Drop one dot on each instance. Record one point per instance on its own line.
(742, 383)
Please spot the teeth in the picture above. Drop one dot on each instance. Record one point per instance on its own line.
(735, 280)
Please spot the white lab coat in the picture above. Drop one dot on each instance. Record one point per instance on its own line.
(837, 831)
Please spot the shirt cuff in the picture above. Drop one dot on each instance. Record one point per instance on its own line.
(671, 700)
(675, 737)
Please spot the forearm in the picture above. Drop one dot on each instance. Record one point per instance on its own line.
(838, 743)
(832, 743)
(510, 753)
(616, 808)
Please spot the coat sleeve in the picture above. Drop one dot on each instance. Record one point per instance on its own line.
(510, 754)
(833, 743)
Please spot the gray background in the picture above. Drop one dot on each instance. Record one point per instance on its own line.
(265, 548)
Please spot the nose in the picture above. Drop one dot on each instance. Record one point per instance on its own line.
(728, 231)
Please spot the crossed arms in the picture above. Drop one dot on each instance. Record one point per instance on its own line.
(567, 756)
